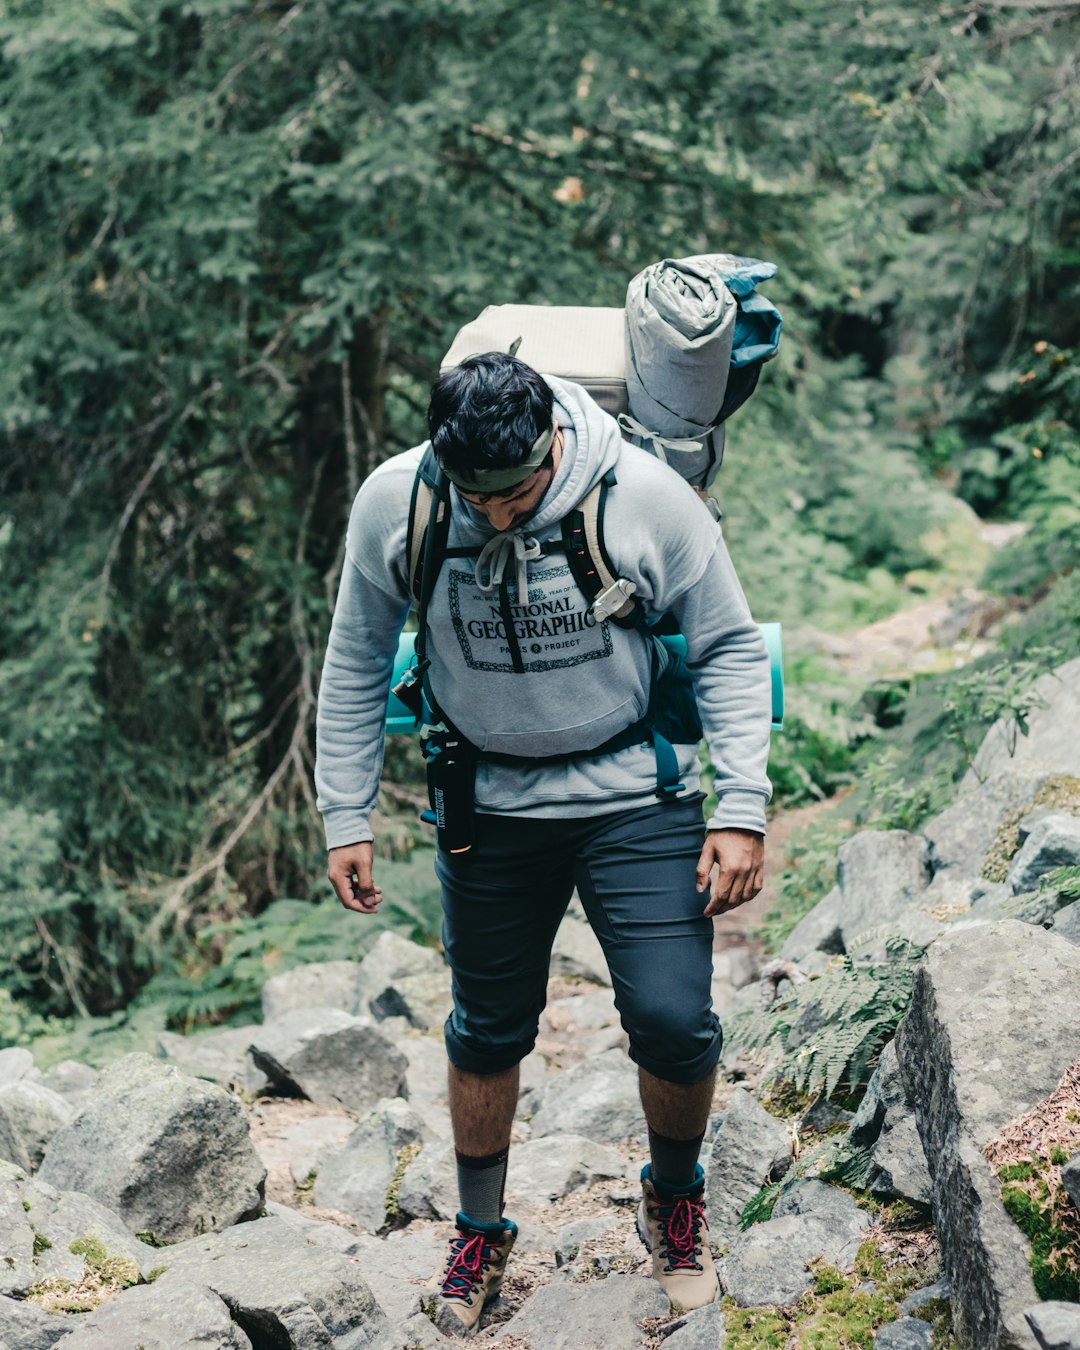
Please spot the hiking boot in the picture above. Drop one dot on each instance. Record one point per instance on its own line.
(473, 1273)
(670, 1225)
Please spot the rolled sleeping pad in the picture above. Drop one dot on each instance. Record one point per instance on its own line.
(399, 718)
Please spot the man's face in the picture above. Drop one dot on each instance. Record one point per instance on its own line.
(504, 510)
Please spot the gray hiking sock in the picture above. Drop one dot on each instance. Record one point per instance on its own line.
(674, 1161)
(481, 1185)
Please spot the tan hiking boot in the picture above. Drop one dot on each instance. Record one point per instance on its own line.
(473, 1273)
(672, 1230)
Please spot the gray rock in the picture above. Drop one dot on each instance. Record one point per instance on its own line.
(597, 1315)
(970, 1063)
(703, 1329)
(1052, 743)
(749, 1149)
(399, 978)
(574, 1237)
(306, 1145)
(168, 1153)
(425, 1079)
(810, 1196)
(737, 966)
(38, 1225)
(881, 873)
(71, 1079)
(549, 1168)
(1053, 842)
(907, 1333)
(898, 1164)
(321, 984)
(1067, 922)
(597, 1098)
(281, 1290)
(15, 1065)
(820, 930)
(1056, 1325)
(1070, 1179)
(885, 1125)
(577, 951)
(319, 1231)
(769, 1262)
(24, 1326)
(219, 1056)
(429, 1187)
(35, 1113)
(589, 1011)
(420, 1334)
(400, 1266)
(822, 1116)
(179, 1317)
(327, 1056)
(960, 836)
(12, 1148)
(919, 1298)
(356, 1180)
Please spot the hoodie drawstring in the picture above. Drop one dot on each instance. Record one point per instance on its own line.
(495, 555)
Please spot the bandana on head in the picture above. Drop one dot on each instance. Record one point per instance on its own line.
(502, 480)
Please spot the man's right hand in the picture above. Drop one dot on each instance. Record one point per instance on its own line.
(349, 870)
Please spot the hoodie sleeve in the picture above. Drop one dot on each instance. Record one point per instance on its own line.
(727, 658)
(368, 617)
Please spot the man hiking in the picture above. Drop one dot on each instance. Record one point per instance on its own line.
(552, 775)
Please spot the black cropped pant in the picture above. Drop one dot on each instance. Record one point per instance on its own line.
(634, 870)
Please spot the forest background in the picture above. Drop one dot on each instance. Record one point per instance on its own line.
(236, 239)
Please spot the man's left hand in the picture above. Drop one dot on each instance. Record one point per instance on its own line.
(738, 857)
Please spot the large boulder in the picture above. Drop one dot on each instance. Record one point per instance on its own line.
(399, 978)
(328, 1056)
(597, 1315)
(994, 1022)
(818, 931)
(220, 1056)
(883, 875)
(1056, 1325)
(170, 1154)
(159, 1317)
(750, 1148)
(1053, 842)
(34, 1113)
(320, 984)
(25, 1326)
(46, 1234)
(961, 835)
(429, 1188)
(885, 1129)
(597, 1098)
(1067, 922)
(1052, 743)
(544, 1170)
(282, 1290)
(357, 1179)
(772, 1262)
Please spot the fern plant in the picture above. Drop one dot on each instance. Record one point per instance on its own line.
(827, 1033)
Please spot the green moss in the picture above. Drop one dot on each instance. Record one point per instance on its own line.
(869, 1264)
(26, 1206)
(152, 1274)
(91, 1249)
(150, 1238)
(305, 1192)
(1059, 1156)
(405, 1155)
(827, 1279)
(1054, 1266)
(41, 1242)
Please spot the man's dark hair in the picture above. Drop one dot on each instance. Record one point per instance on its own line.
(487, 412)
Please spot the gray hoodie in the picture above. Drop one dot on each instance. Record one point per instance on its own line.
(583, 681)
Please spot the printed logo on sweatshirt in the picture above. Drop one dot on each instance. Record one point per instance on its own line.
(554, 630)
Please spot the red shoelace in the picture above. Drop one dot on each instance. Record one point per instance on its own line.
(466, 1264)
(681, 1233)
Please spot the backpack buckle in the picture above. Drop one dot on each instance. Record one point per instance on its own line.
(616, 599)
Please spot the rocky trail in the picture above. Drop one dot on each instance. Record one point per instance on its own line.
(290, 1184)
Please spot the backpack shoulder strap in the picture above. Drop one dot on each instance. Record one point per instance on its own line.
(583, 537)
(429, 505)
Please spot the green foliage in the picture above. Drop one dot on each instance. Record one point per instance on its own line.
(981, 696)
(894, 803)
(827, 1032)
(759, 1208)
(1055, 1266)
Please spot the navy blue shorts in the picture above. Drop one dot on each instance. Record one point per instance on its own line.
(634, 870)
